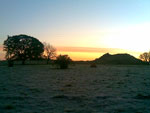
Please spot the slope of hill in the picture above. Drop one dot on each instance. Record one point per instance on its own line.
(123, 59)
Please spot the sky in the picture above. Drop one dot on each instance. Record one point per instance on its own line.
(116, 26)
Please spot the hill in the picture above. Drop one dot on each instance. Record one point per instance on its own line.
(120, 59)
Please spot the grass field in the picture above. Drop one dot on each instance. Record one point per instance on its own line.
(79, 89)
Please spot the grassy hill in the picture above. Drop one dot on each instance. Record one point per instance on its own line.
(120, 59)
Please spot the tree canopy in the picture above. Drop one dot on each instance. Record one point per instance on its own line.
(23, 47)
(145, 56)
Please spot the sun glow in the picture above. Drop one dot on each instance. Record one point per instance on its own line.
(134, 38)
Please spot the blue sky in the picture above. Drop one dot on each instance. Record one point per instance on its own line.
(77, 23)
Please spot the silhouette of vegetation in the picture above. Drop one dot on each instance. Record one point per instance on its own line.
(23, 47)
(63, 61)
(49, 52)
(120, 59)
(145, 56)
(10, 63)
(93, 65)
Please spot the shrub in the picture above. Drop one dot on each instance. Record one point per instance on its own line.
(63, 61)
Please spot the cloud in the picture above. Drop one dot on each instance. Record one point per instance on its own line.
(90, 49)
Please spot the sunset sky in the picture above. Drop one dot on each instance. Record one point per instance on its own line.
(84, 29)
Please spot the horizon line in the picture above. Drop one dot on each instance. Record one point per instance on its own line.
(93, 52)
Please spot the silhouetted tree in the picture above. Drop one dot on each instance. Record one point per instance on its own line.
(63, 61)
(23, 47)
(49, 52)
(145, 56)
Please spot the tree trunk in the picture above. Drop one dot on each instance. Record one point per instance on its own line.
(10, 63)
(48, 61)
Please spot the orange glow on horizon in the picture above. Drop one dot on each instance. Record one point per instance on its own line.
(78, 56)
(87, 53)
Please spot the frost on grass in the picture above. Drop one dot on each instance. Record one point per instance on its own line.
(80, 89)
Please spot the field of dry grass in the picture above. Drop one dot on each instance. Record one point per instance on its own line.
(80, 89)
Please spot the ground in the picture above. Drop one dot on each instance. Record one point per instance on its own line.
(79, 89)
